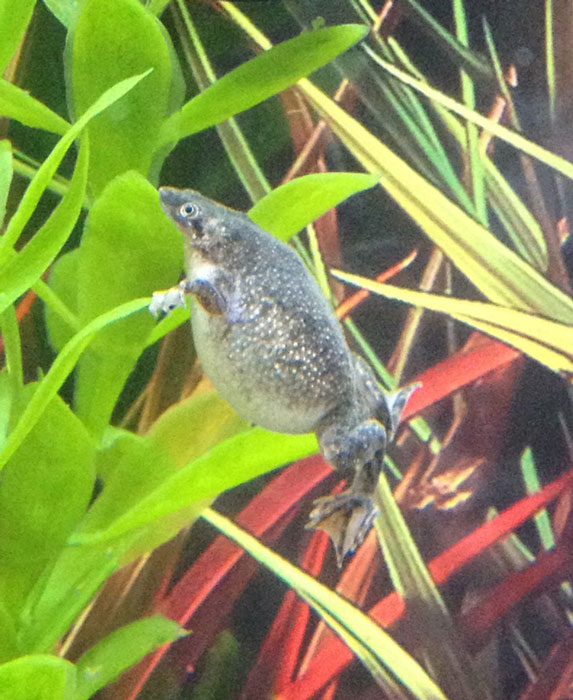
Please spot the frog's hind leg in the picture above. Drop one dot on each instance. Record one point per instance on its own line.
(348, 516)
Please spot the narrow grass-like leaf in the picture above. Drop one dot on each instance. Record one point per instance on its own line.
(496, 270)
(228, 464)
(25, 268)
(260, 78)
(50, 165)
(5, 175)
(121, 649)
(18, 104)
(553, 341)
(553, 160)
(377, 643)
(521, 226)
(289, 208)
(442, 646)
(232, 138)
(40, 677)
(10, 331)
(469, 60)
(59, 371)
(533, 485)
(468, 94)
(14, 19)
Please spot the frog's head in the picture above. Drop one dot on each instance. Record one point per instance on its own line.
(209, 228)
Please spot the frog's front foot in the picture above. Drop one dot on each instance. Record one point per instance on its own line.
(165, 300)
(346, 518)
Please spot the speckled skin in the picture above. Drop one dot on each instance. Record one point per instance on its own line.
(269, 342)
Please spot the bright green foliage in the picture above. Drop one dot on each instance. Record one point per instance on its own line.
(128, 250)
(5, 175)
(111, 40)
(38, 678)
(14, 18)
(261, 78)
(44, 473)
(286, 210)
(120, 650)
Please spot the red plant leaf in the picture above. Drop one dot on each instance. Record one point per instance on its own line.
(333, 657)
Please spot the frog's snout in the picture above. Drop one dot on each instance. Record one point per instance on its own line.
(169, 198)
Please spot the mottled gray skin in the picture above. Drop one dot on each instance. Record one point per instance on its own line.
(270, 343)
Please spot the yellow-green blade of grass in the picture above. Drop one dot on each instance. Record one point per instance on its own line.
(499, 273)
(59, 371)
(260, 78)
(234, 142)
(10, 331)
(289, 208)
(48, 168)
(365, 632)
(554, 161)
(547, 341)
(440, 641)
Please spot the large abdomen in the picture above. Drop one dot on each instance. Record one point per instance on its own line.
(280, 364)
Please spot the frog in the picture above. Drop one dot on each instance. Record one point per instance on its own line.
(269, 341)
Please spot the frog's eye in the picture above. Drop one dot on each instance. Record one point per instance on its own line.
(188, 210)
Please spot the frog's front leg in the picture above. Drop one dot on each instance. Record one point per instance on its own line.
(348, 516)
(208, 293)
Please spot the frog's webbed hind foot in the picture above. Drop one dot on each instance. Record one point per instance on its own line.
(346, 518)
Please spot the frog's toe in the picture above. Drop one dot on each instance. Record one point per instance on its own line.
(346, 518)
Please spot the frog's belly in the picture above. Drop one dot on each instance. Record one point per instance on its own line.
(263, 392)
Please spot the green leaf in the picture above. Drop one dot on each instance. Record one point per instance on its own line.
(111, 40)
(63, 280)
(25, 268)
(365, 633)
(48, 168)
(17, 104)
(14, 19)
(44, 492)
(230, 463)
(260, 78)
(62, 593)
(59, 371)
(5, 175)
(120, 650)
(132, 466)
(129, 249)
(290, 207)
(40, 677)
